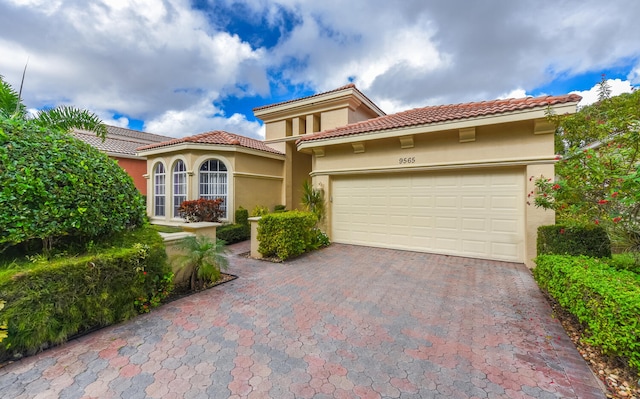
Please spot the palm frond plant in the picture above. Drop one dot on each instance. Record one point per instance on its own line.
(204, 259)
(313, 200)
(63, 117)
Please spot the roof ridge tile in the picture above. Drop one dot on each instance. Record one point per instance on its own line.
(216, 137)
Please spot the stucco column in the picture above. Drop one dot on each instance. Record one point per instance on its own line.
(534, 216)
(255, 244)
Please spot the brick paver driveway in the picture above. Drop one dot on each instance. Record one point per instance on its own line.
(343, 322)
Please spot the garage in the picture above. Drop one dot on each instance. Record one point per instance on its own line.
(472, 213)
(451, 179)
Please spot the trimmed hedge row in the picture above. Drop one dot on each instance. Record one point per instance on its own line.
(48, 301)
(240, 231)
(232, 233)
(605, 300)
(286, 234)
(574, 240)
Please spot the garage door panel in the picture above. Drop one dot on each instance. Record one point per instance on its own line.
(504, 226)
(505, 202)
(446, 202)
(449, 223)
(499, 249)
(474, 247)
(469, 214)
(474, 225)
(448, 245)
(475, 202)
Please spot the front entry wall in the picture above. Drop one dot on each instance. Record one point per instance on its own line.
(475, 213)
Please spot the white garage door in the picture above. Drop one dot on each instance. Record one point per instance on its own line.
(466, 214)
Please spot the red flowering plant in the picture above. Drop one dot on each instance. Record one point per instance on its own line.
(598, 169)
(202, 210)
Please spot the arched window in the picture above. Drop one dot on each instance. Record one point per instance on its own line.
(159, 189)
(213, 182)
(179, 186)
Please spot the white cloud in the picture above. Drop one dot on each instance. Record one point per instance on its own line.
(142, 58)
(164, 62)
(617, 87)
(432, 52)
(202, 117)
(634, 75)
(120, 122)
(516, 93)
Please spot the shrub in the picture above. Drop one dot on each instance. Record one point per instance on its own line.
(589, 240)
(280, 208)
(313, 200)
(242, 217)
(319, 239)
(232, 233)
(605, 300)
(259, 210)
(48, 301)
(201, 210)
(287, 234)
(204, 258)
(240, 231)
(626, 261)
(56, 186)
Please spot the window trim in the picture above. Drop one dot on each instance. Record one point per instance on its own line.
(179, 186)
(159, 190)
(212, 186)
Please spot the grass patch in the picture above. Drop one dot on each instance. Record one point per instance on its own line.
(166, 229)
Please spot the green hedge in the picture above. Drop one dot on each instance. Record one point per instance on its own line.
(574, 240)
(605, 300)
(48, 301)
(56, 186)
(232, 233)
(286, 234)
(242, 217)
(240, 231)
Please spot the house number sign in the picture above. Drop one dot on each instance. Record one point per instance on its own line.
(407, 160)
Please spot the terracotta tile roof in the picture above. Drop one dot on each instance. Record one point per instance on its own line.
(119, 140)
(345, 87)
(218, 137)
(442, 113)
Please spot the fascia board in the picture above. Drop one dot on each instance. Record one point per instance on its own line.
(184, 147)
(126, 156)
(323, 103)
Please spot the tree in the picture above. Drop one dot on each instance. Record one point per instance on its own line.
(598, 173)
(62, 117)
(53, 185)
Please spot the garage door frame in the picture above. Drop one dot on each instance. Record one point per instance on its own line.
(383, 235)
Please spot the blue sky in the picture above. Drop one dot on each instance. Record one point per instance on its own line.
(182, 67)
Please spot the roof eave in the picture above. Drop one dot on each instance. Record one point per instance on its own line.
(291, 108)
(514, 116)
(189, 146)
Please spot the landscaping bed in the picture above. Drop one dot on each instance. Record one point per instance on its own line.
(182, 291)
(597, 300)
(618, 378)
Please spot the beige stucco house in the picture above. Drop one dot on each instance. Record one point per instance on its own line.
(450, 179)
(244, 172)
